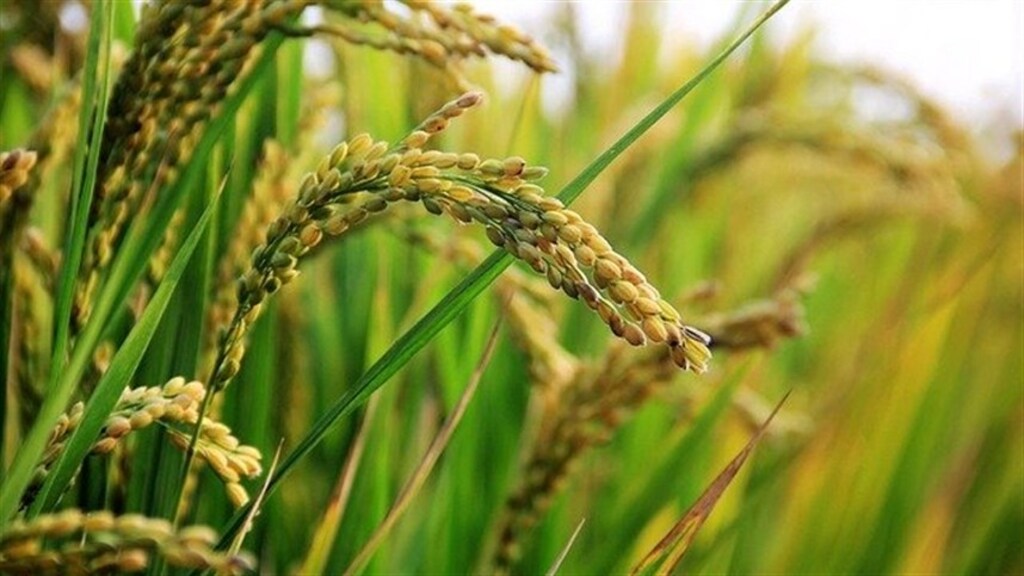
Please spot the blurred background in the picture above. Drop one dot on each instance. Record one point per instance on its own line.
(968, 55)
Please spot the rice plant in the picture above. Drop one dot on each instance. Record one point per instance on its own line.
(309, 287)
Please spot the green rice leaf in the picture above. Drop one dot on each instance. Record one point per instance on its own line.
(664, 558)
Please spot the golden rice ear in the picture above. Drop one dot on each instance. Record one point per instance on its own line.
(439, 120)
(497, 194)
(446, 35)
(479, 31)
(175, 405)
(76, 542)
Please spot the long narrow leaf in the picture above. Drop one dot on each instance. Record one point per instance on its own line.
(669, 551)
(326, 531)
(557, 564)
(460, 297)
(426, 465)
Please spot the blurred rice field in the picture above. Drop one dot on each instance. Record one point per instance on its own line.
(869, 264)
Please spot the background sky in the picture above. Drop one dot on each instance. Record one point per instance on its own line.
(969, 55)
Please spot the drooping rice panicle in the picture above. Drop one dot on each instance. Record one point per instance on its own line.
(175, 406)
(362, 177)
(448, 32)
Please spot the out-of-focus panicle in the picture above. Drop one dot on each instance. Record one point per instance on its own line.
(40, 49)
(760, 324)
(162, 257)
(28, 358)
(15, 167)
(44, 260)
(928, 114)
(604, 393)
(792, 269)
(15, 201)
(33, 65)
(175, 406)
(269, 194)
(586, 414)
(446, 33)
(53, 141)
(76, 542)
(20, 252)
(1008, 182)
(362, 177)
